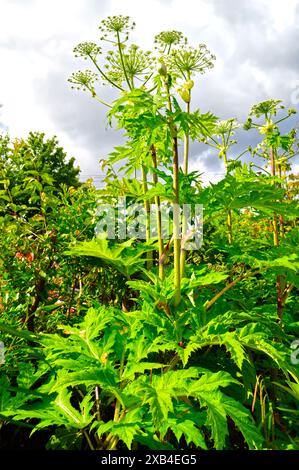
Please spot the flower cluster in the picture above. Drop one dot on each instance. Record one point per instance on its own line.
(116, 24)
(226, 127)
(169, 38)
(87, 49)
(83, 80)
(184, 61)
(138, 64)
(266, 108)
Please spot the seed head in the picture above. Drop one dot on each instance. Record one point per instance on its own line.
(83, 80)
(268, 107)
(188, 60)
(169, 38)
(87, 49)
(116, 24)
(138, 64)
(227, 126)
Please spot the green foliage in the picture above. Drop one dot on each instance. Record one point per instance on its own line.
(113, 344)
(123, 257)
(99, 352)
(34, 162)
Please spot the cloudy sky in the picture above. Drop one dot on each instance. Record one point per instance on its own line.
(256, 43)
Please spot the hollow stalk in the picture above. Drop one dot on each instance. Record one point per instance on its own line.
(185, 170)
(229, 217)
(176, 209)
(280, 281)
(158, 215)
(147, 213)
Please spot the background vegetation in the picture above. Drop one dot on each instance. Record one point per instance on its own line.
(113, 344)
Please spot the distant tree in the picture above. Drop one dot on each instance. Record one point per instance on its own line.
(35, 156)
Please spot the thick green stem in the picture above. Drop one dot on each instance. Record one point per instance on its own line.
(113, 444)
(281, 221)
(184, 219)
(90, 444)
(176, 224)
(158, 216)
(97, 403)
(274, 220)
(105, 76)
(230, 227)
(211, 302)
(275, 230)
(101, 101)
(176, 207)
(147, 211)
(280, 280)
(186, 142)
(229, 219)
(122, 61)
(272, 162)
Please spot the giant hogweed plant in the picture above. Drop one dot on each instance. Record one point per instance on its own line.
(155, 125)
(197, 334)
(277, 150)
(111, 381)
(262, 197)
(150, 113)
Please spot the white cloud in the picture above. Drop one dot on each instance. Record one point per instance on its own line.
(35, 39)
(200, 164)
(281, 14)
(256, 44)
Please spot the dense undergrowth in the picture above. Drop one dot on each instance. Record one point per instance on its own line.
(116, 342)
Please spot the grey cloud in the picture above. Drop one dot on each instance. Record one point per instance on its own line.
(249, 21)
(211, 161)
(228, 90)
(79, 116)
(236, 12)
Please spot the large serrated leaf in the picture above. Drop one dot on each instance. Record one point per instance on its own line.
(210, 382)
(216, 417)
(188, 429)
(105, 377)
(243, 420)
